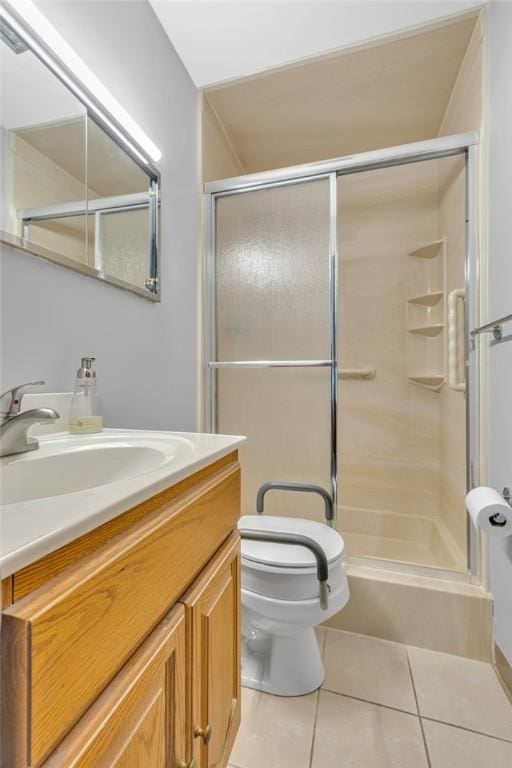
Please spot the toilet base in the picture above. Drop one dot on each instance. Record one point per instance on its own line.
(284, 665)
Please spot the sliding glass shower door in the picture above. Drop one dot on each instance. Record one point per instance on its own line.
(272, 364)
(398, 225)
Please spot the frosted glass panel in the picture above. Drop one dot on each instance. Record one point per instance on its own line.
(272, 273)
(125, 245)
(284, 412)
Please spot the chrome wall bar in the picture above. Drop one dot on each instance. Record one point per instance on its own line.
(496, 327)
(272, 364)
(80, 207)
(333, 299)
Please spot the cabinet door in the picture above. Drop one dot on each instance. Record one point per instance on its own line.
(140, 719)
(213, 626)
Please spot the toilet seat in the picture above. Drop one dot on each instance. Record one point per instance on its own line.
(289, 556)
(288, 571)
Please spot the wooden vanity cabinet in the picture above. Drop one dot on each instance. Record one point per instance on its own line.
(130, 656)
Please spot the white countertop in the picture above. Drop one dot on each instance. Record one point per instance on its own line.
(30, 529)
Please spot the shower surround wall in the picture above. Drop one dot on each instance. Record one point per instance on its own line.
(391, 491)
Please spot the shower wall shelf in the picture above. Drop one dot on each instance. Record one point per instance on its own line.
(428, 330)
(426, 315)
(429, 250)
(427, 299)
(429, 382)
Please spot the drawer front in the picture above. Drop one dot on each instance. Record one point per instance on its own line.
(64, 642)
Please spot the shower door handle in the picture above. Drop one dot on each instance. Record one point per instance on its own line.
(453, 340)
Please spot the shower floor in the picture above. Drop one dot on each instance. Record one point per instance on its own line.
(409, 539)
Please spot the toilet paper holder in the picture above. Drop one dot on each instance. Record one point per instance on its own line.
(500, 520)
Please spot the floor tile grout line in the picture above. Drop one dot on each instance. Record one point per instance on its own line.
(418, 707)
(324, 642)
(317, 703)
(468, 730)
(370, 701)
(315, 721)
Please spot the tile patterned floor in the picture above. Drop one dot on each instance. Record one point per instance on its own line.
(382, 705)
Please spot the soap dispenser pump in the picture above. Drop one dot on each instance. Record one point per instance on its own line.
(85, 415)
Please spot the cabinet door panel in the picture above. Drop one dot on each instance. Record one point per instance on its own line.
(213, 623)
(140, 719)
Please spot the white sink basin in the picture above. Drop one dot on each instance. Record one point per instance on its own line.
(71, 484)
(68, 465)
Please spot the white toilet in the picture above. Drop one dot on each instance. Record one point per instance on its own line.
(281, 604)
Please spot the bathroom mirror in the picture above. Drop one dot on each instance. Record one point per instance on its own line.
(70, 192)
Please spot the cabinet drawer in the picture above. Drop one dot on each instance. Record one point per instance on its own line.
(63, 643)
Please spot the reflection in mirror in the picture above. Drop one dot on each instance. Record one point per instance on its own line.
(66, 186)
(43, 153)
(119, 209)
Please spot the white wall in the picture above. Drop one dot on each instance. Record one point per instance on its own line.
(50, 315)
(500, 299)
(212, 38)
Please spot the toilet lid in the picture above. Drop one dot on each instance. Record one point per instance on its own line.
(289, 555)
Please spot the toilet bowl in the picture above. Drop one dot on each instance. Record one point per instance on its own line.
(281, 605)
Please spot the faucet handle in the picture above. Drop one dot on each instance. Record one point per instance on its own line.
(14, 402)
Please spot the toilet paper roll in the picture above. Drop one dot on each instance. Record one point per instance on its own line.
(489, 511)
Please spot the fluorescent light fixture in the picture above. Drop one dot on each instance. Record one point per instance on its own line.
(36, 31)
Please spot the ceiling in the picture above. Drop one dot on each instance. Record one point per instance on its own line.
(375, 96)
(220, 40)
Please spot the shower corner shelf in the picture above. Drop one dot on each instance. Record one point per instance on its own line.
(429, 250)
(427, 330)
(426, 315)
(428, 381)
(427, 299)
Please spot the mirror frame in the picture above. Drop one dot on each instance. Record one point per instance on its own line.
(110, 124)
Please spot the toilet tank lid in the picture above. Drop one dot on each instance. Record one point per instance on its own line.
(289, 555)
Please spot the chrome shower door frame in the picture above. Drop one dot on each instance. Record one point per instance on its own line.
(464, 144)
(212, 364)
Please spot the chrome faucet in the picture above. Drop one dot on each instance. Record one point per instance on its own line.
(15, 424)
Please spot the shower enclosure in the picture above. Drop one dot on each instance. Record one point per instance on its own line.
(339, 298)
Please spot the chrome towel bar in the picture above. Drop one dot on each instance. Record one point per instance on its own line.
(496, 327)
(271, 364)
(344, 373)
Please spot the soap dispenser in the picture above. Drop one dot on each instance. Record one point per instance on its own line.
(85, 416)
